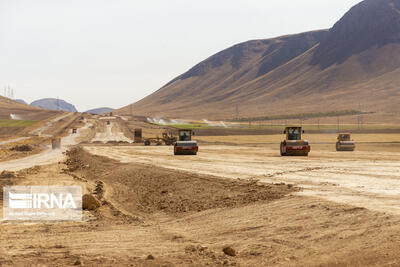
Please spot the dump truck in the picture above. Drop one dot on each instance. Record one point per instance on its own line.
(185, 145)
(294, 145)
(74, 130)
(344, 142)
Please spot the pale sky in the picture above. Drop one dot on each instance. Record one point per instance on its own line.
(95, 53)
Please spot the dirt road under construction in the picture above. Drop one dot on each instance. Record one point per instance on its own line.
(360, 178)
(157, 209)
(48, 155)
(110, 130)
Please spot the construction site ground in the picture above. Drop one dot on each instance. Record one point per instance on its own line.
(329, 209)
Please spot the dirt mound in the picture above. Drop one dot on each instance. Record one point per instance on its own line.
(7, 174)
(73, 161)
(22, 148)
(90, 202)
(33, 170)
(229, 251)
(138, 188)
(99, 190)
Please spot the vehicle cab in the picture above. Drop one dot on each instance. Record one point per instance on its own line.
(185, 145)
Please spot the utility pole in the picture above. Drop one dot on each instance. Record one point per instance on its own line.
(362, 122)
(338, 122)
(237, 112)
(359, 115)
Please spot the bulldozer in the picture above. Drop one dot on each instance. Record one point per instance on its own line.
(185, 145)
(344, 142)
(293, 145)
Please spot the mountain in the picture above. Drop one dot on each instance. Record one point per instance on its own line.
(54, 104)
(99, 110)
(11, 109)
(355, 63)
(20, 101)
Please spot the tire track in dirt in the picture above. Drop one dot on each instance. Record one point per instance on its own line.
(365, 179)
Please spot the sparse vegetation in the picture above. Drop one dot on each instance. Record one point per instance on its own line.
(16, 123)
(304, 115)
(191, 126)
(22, 148)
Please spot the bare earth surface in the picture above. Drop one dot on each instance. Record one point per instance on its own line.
(111, 132)
(330, 209)
(40, 130)
(364, 179)
(45, 157)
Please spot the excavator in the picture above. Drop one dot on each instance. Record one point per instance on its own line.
(294, 145)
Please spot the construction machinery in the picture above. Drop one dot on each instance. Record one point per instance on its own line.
(138, 135)
(167, 138)
(185, 145)
(344, 142)
(74, 130)
(56, 143)
(294, 145)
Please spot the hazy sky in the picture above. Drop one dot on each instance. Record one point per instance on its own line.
(96, 53)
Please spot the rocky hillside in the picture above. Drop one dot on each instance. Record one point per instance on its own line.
(10, 109)
(355, 63)
(20, 101)
(54, 104)
(99, 110)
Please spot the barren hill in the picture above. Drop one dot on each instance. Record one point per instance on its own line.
(54, 104)
(99, 110)
(22, 111)
(355, 63)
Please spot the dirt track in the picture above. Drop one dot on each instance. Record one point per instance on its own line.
(47, 156)
(364, 179)
(40, 130)
(112, 132)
